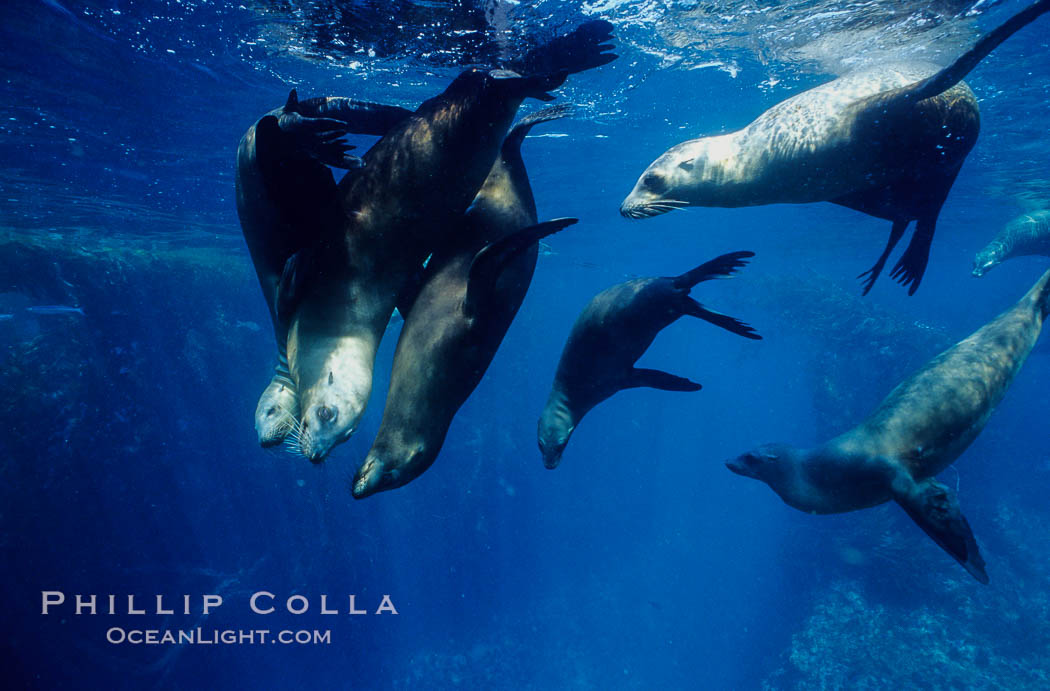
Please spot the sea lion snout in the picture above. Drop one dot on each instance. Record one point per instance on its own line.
(385, 471)
(982, 265)
(321, 431)
(660, 188)
(551, 457)
(739, 465)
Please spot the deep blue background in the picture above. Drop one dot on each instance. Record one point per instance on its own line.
(130, 463)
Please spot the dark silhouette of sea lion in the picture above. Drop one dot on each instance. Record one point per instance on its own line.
(613, 331)
(471, 292)
(918, 431)
(887, 141)
(286, 199)
(1024, 236)
(417, 181)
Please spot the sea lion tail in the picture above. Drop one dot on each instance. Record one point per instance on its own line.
(964, 64)
(719, 267)
(695, 309)
(1040, 294)
(585, 47)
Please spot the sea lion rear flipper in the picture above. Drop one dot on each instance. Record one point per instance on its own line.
(695, 309)
(489, 261)
(936, 509)
(873, 273)
(719, 267)
(584, 48)
(957, 71)
(656, 379)
(911, 266)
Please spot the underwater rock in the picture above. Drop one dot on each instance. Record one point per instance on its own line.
(842, 324)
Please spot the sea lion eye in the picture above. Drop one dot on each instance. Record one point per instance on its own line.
(655, 182)
(325, 413)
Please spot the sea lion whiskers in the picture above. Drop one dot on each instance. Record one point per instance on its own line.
(288, 421)
(293, 442)
(650, 209)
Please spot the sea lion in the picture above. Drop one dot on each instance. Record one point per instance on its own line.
(918, 431)
(1024, 236)
(419, 178)
(612, 332)
(887, 141)
(286, 197)
(471, 293)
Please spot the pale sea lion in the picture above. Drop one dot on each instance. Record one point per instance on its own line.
(1025, 236)
(887, 141)
(417, 179)
(613, 331)
(471, 293)
(918, 431)
(286, 198)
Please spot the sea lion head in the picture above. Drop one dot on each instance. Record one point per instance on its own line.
(389, 466)
(692, 173)
(331, 411)
(988, 258)
(764, 463)
(553, 436)
(277, 412)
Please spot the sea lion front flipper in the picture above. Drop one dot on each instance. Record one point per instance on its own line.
(512, 142)
(406, 298)
(292, 285)
(873, 273)
(359, 117)
(657, 379)
(936, 509)
(489, 262)
(911, 267)
(695, 309)
(318, 138)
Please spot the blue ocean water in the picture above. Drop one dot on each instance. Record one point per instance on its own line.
(130, 465)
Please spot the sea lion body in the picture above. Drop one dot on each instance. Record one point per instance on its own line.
(471, 293)
(1025, 236)
(419, 175)
(285, 201)
(417, 180)
(817, 146)
(887, 141)
(611, 333)
(916, 432)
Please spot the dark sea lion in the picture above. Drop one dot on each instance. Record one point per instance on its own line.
(918, 431)
(1025, 236)
(286, 198)
(609, 336)
(887, 141)
(471, 293)
(419, 178)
